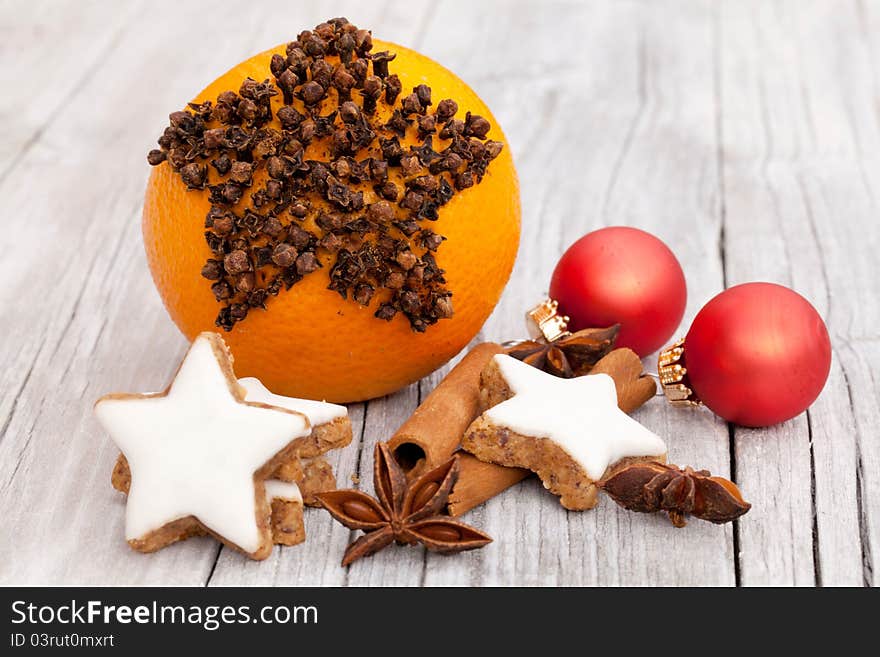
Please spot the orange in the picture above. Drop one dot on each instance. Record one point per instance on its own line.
(310, 342)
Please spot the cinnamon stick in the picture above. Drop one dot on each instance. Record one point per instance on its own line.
(433, 432)
(479, 481)
(634, 387)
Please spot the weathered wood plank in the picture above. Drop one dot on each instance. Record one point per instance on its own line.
(797, 117)
(667, 182)
(49, 50)
(782, 492)
(860, 360)
(651, 164)
(854, 259)
(84, 317)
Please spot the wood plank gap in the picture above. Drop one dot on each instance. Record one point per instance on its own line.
(719, 148)
(220, 547)
(817, 562)
(357, 473)
(19, 392)
(20, 456)
(96, 343)
(75, 309)
(424, 577)
(424, 24)
(867, 557)
(779, 214)
(635, 122)
(116, 251)
(731, 441)
(869, 47)
(717, 53)
(814, 233)
(93, 68)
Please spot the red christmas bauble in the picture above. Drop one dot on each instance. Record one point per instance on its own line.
(622, 275)
(757, 354)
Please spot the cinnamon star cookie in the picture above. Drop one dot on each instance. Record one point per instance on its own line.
(200, 457)
(331, 429)
(568, 431)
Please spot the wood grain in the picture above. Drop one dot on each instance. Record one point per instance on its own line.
(744, 134)
(799, 210)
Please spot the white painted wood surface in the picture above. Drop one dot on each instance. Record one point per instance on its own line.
(745, 134)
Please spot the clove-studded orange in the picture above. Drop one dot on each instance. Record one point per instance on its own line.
(347, 209)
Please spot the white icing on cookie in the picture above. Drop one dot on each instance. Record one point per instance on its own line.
(580, 415)
(282, 490)
(317, 412)
(194, 450)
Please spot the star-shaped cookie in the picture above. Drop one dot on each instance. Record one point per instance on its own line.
(331, 429)
(200, 455)
(568, 431)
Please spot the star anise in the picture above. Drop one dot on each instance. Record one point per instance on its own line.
(648, 486)
(405, 513)
(570, 355)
